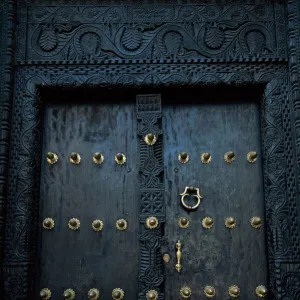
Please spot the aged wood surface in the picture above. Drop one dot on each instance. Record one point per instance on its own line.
(85, 259)
(214, 122)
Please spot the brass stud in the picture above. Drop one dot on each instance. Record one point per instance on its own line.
(234, 291)
(75, 158)
(74, 224)
(261, 291)
(206, 158)
(97, 225)
(93, 294)
(185, 292)
(207, 222)
(120, 158)
(209, 291)
(230, 222)
(69, 294)
(121, 224)
(166, 257)
(52, 158)
(229, 157)
(252, 156)
(48, 223)
(45, 294)
(150, 139)
(152, 295)
(98, 158)
(183, 157)
(256, 222)
(183, 222)
(118, 293)
(152, 222)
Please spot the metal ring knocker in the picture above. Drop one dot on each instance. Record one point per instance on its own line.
(195, 192)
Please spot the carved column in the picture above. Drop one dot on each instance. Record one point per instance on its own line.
(151, 194)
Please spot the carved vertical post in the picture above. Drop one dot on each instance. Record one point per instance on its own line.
(7, 34)
(151, 193)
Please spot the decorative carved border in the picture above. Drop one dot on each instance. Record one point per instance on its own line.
(166, 31)
(278, 154)
(7, 31)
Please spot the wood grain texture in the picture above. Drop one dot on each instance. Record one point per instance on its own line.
(217, 122)
(86, 259)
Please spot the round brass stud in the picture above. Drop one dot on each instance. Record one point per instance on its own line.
(48, 223)
(74, 224)
(93, 294)
(45, 294)
(207, 222)
(256, 222)
(121, 224)
(230, 222)
(166, 257)
(98, 158)
(261, 291)
(69, 294)
(118, 293)
(75, 158)
(183, 157)
(120, 159)
(152, 295)
(97, 225)
(185, 292)
(150, 139)
(151, 222)
(52, 158)
(252, 156)
(229, 157)
(209, 291)
(234, 291)
(183, 222)
(206, 158)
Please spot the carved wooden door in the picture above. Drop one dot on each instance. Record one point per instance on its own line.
(223, 247)
(114, 224)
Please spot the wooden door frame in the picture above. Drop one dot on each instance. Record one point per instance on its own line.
(21, 79)
(26, 145)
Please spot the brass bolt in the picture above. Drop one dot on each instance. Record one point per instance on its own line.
(184, 221)
(256, 222)
(183, 155)
(234, 291)
(261, 291)
(252, 156)
(230, 222)
(185, 292)
(50, 155)
(74, 156)
(209, 291)
(121, 223)
(150, 137)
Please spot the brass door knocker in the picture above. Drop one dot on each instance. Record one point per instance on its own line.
(195, 192)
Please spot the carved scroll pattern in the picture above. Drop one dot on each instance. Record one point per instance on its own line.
(93, 33)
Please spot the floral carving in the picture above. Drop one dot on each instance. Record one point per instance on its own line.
(173, 42)
(48, 39)
(214, 37)
(131, 39)
(90, 43)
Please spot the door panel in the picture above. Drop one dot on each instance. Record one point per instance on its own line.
(194, 122)
(219, 257)
(86, 259)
